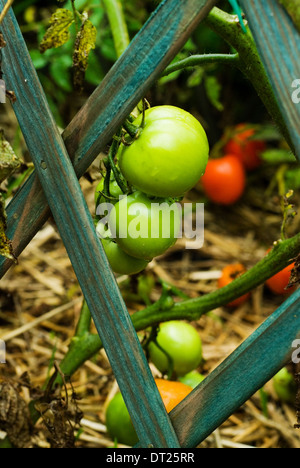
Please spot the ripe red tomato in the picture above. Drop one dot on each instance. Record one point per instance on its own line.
(247, 150)
(278, 283)
(230, 273)
(224, 180)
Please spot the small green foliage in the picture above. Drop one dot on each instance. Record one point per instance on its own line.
(285, 386)
(58, 32)
(292, 178)
(85, 42)
(196, 78)
(278, 156)
(213, 90)
(5, 244)
(293, 9)
(9, 162)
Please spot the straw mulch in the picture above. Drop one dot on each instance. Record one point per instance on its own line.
(40, 302)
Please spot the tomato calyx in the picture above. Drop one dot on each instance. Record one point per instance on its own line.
(133, 130)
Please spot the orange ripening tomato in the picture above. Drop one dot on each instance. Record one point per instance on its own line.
(247, 150)
(117, 417)
(230, 273)
(172, 393)
(279, 282)
(224, 180)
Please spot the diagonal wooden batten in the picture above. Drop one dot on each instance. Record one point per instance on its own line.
(278, 44)
(244, 372)
(86, 136)
(86, 253)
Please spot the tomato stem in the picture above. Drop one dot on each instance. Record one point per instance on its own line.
(106, 191)
(84, 321)
(196, 60)
(118, 24)
(280, 257)
(111, 163)
(131, 129)
(250, 64)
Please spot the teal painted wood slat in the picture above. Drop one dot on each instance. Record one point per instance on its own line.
(86, 136)
(244, 372)
(278, 43)
(77, 231)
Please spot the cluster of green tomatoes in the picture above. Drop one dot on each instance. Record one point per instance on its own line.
(160, 165)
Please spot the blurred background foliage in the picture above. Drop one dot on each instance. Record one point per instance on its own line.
(219, 95)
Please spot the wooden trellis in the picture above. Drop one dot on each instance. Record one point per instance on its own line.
(61, 159)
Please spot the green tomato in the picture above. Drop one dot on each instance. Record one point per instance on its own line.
(285, 386)
(118, 421)
(145, 228)
(114, 189)
(170, 154)
(120, 261)
(181, 342)
(192, 379)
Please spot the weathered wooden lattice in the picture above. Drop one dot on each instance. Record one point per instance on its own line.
(61, 160)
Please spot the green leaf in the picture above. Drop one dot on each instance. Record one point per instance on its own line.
(108, 49)
(58, 33)
(293, 9)
(171, 77)
(265, 133)
(60, 72)
(94, 74)
(85, 42)
(39, 60)
(292, 179)
(278, 156)
(196, 78)
(213, 91)
(9, 162)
